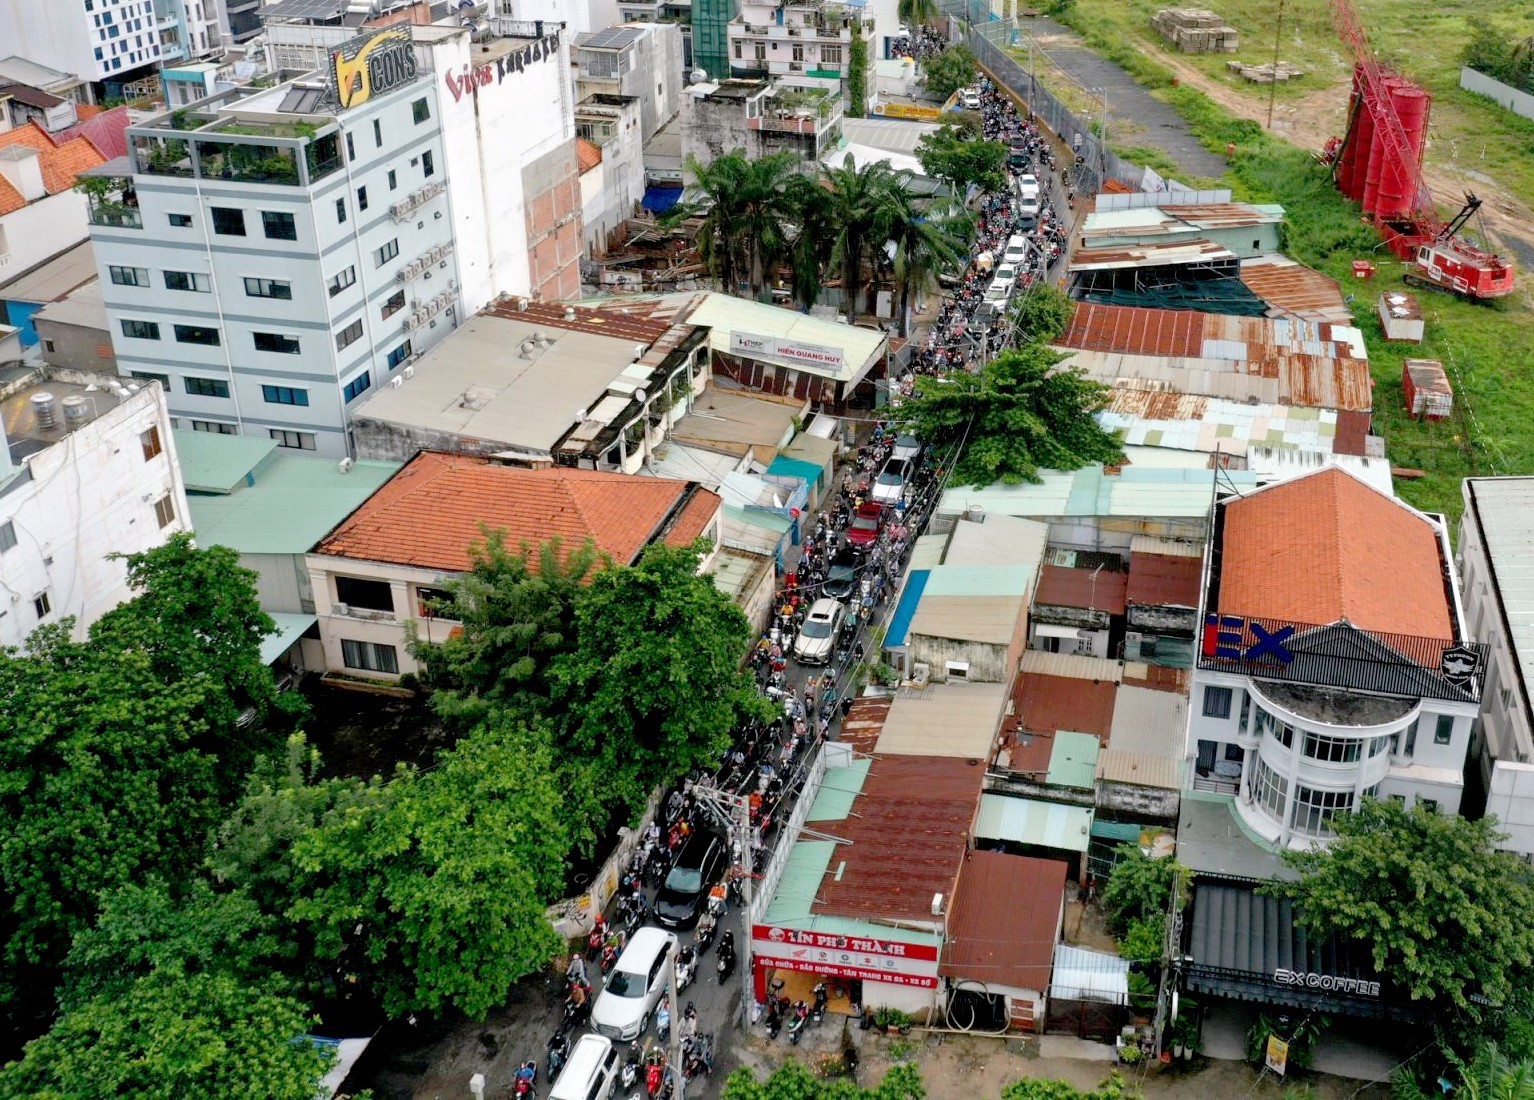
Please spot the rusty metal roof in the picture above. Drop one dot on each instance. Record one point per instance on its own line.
(1164, 580)
(865, 721)
(602, 321)
(1092, 589)
(906, 837)
(1428, 375)
(1051, 703)
(1295, 290)
(1352, 436)
(1005, 920)
(1157, 404)
(1225, 215)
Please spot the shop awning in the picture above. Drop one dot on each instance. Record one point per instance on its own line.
(290, 628)
(1034, 822)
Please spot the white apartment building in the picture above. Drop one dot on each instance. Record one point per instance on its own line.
(275, 254)
(107, 41)
(104, 481)
(643, 60)
(1334, 662)
(807, 41)
(1496, 571)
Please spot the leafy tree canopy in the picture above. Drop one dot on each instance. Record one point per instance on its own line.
(1046, 1088)
(170, 1036)
(1021, 413)
(957, 155)
(793, 1081)
(1138, 888)
(949, 71)
(1444, 911)
(1488, 1074)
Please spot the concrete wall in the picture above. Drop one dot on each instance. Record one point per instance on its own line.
(987, 663)
(282, 582)
(378, 627)
(40, 230)
(554, 239)
(713, 126)
(1510, 800)
(77, 347)
(1520, 103)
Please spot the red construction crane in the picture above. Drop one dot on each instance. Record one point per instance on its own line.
(1378, 164)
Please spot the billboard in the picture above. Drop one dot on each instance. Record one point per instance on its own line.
(372, 64)
(841, 956)
(789, 351)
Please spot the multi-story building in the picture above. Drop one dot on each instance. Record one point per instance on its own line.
(612, 167)
(189, 29)
(1335, 663)
(643, 60)
(100, 479)
(711, 36)
(1495, 535)
(808, 41)
(760, 117)
(279, 252)
(107, 42)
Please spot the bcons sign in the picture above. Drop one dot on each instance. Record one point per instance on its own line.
(371, 65)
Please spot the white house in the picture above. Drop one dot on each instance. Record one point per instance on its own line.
(1334, 661)
(99, 479)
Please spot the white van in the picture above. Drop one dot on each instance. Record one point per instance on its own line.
(590, 1072)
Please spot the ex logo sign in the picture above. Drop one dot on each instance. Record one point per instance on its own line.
(1235, 638)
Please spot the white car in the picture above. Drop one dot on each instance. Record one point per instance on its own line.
(635, 986)
(1017, 250)
(1028, 186)
(1002, 283)
(970, 99)
(817, 637)
(906, 446)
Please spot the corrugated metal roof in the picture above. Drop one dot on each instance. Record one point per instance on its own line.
(986, 620)
(723, 314)
(1082, 975)
(802, 871)
(1153, 418)
(1005, 921)
(979, 580)
(999, 540)
(1148, 255)
(1148, 544)
(1303, 380)
(1153, 493)
(865, 721)
(214, 463)
(1091, 589)
(905, 608)
(290, 628)
(1147, 742)
(943, 719)
(1236, 928)
(1294, 289)
(1071, 665)
(1032, 822)
(1073, 760)
(1048, 704)
(927, 553)
(1504, 509)
(1164, 580)
(833, 801)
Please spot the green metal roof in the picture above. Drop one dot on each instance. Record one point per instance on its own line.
(213, 463)
(290, 628)
(833, 802)
(758, 518)
(293, 504)
(1073, 760)
(1030, 821)
(1136, 491)
(979, 580)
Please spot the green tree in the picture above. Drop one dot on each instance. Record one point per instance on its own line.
(719, 183)
(793, 1081)
(1046, 1088)
(1443, 910)
(1040, 315)
(431, 891)
(517, 607)
(860, 206)
(1488, 1074)
(1138, 888)
(926, 243)
(171, 1036)
(917, 13)
(814, 236)
(764, 207)
(954, 154)
(949, 71)
(857, 73)
(655, 681)
(1021, 413)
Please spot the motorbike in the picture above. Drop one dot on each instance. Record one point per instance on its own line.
(527, 1076)
(663, 1021)
(558, 1053)
(796, 1025)
(596, 939)
(774, 1020)
(699, 1057)
(686, 967)
(707, 926)
(630, 1073)
(818, 1012)
(726, 964)
(609, 957)
(576, 1008)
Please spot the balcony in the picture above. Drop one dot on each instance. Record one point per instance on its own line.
(112, 201)
(207, 145)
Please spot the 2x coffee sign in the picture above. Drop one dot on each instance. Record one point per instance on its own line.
(372, 64)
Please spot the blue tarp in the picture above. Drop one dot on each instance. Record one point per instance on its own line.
(905, 610)
(783, 466)
(658, 200)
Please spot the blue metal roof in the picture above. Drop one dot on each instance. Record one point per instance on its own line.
(784, 466)
(905, 610)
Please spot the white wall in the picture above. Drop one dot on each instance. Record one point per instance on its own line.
(90, 495)
(1510, 800)
(386, 628)
(40, 230)
(63, 36)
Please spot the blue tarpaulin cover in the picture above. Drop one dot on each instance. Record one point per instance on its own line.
(658, 200)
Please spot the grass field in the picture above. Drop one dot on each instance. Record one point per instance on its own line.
(1488, 350)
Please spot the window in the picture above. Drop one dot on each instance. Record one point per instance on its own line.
(761, 51)
(349, 335)
(385, 253)
(217, 427)
(42, 605)
(351, 150)
(1379, 745)
(1333, 750)
(129, 276)
(393, 179)
(228, 222)
(1314, 810)
(738, 45)
(393, 304)
(284, 395)
(1217, 702)
(7, 536)
(367, 594)
(164, 511)
(1282, 732)
(341, 280)
(48, 346)
(798, 52)
(369, 656)
(830, 55)
(150, 440)
(357, 386)
(279, 225)
(206, 387)
(428, 167)
(1270, 790)
(420, 110)
(399, 355)
(141, 330)
(1428, 804)
(377, 133)
(297, 441)
(180, 221)
(275, 342)
(196, 334)
(341, 210)
(362, 198)
(268, 288)
(1444, 732)
(187, 280)
(1411, 739)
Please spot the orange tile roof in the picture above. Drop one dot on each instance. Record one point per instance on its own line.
(588, 154)
(1327, 546)
(61, 162)
(10, 198)
(430, 512)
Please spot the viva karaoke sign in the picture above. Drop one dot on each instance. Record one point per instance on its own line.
(471, 78)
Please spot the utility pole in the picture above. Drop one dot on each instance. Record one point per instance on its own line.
(734, 812)
(674, 1039)
(1273, 84)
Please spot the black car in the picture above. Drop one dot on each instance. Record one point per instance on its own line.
(680, 900)
(842, 578)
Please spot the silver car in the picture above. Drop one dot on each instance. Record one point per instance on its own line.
(817, 637)
(891, 481)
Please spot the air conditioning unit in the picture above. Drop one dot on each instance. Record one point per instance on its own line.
(402, 275)
(409, 372)
(396, 381)
(341, 608)
(796, 66)
(399, 210)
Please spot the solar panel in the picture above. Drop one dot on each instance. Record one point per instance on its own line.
(610, 39)
(301, 101)
(304, 9)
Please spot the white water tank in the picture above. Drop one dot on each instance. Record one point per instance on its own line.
(45, 408)
(76, 411)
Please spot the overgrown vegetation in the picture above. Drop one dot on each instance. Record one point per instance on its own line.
(949, 71)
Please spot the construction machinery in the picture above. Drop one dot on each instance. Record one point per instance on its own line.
(1378, 164)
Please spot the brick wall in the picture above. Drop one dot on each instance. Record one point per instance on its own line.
(552, 185)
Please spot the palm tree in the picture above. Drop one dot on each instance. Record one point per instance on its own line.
(1489, 1075)
(813, 236)
(925, 244)
(763, 209)
(720, 185)
(916, 13)
(860, 204)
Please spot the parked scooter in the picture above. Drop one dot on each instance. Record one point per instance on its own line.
(796, 1024)
(818, 1012)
